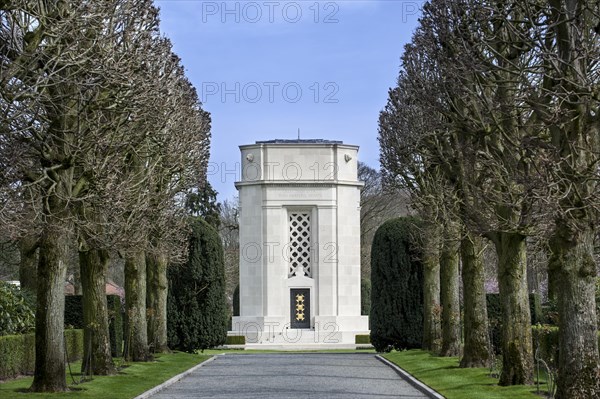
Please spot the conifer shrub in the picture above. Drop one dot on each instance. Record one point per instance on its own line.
(236, 300)
(397, 286)
(197, 306)
(365, 297)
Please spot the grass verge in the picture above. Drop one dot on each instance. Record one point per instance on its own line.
(453, 382)
(128, 383)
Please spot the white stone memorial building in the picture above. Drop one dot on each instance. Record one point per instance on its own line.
(299, 244)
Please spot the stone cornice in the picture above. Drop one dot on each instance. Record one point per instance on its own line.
(299, 183)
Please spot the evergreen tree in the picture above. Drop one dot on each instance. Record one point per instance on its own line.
(365, 297)
(197, 306)
(236, 300)
(203, 202)
(397, 286)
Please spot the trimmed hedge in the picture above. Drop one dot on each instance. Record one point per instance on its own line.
(197, 303)
(74, 319)
(397, 286)
(535, 308)
(365, 297)
(17, 352)
(362, 339)
(236, 300)
(546, 339)
(235, 340)
(116, 324)
(73, 311)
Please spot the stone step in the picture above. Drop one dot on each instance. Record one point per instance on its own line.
(299, 337)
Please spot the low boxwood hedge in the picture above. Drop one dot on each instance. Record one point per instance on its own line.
(17, 352)
(235, 340)
(362, 339)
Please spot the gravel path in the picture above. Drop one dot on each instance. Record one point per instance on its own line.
(319, 375)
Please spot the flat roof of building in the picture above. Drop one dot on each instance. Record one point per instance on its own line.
(300, 141)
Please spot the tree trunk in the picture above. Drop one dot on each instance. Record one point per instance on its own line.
(431, 291)
(476, 352)
(27, 265)
(449, 294)
(156, 267)
(49, 375)
(573, 266)
(77, 277)
(135, 301)
(97, 357)
(517, 356)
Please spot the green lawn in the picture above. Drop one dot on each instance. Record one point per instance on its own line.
(444, 375)
(130, 382)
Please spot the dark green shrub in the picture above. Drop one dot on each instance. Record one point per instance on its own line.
(73, 311)
(235, 340)
(74, 341)
(494, 310)
(397, 286)
(115, 319)
(550, 313)
(362, 339)
(74, 319)
(236, 300)
(17, 352)
(17, 310)
(535, 309)
(197, 304)
(545, 344)
(365, 297)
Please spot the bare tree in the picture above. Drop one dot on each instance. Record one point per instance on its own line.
(515, 89)
(85, 129)
(404, 166)
(48, 82)
(377, 204)
(485, 144)
(570, 108)
(229, 232)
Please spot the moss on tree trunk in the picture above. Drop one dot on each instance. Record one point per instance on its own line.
(135, 302)
(449, 293)
(97, 357)
(431, 291)
(476, 352)
(49, 375)
(574, 270)
(517, 352)
(28, 263)
(156, 267)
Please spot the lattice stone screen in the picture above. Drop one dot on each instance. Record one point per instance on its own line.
(299, 236)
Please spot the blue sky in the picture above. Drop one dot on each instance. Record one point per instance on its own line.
(265, 69)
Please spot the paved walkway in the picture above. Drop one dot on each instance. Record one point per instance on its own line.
(319, 375)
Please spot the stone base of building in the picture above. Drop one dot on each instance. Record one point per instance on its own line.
(327, 332)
